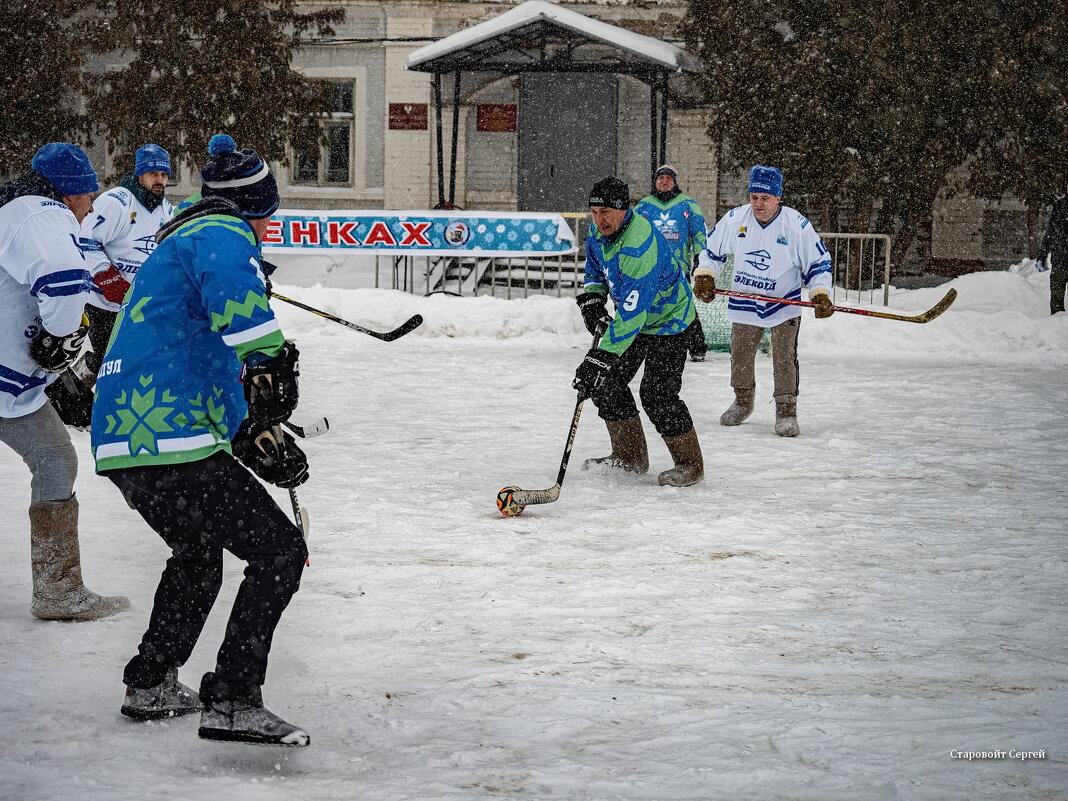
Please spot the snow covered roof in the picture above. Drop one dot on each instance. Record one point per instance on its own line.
(538, 36)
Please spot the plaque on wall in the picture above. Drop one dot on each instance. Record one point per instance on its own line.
(408, 116)
(496, 117)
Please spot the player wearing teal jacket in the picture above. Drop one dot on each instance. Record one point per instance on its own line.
(168, 389)
(679, 220)
(197, 373)
(629, 261)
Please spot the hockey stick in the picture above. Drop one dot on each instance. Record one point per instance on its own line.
(406, 327)
(512, 500)
(924, 317)
(314, 429)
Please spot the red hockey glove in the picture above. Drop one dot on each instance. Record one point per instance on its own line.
(112, 284)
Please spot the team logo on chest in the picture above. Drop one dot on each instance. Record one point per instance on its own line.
(741, 231)
(758, 259)
(781, 240)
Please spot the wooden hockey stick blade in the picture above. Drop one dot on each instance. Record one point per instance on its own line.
(530, 497)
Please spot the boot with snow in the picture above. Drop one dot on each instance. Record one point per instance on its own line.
(740, 410)
(234, 712)
(786, 416)
(629, 449)
(689, 463)
(168, 699)
(58, 592)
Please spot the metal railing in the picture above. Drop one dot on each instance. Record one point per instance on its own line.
(861, 264)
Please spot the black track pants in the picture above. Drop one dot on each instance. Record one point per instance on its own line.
(665, 359)
(199, 509)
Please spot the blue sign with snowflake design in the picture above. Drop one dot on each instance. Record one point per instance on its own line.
(429, 233)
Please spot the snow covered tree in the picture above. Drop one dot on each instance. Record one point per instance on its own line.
(43, 54)
(194, 68)
(1025, 151)
(870, 108)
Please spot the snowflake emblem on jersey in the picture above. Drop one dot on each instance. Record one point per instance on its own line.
(140, 419)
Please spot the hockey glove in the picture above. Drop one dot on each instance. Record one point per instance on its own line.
(593, 372)
(54, 354)
(704, 287)
(112, 284)
(271, 385)
(280, 463)
(72, 400)
(592, 305)
(824, 307)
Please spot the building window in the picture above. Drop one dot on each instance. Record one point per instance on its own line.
(332, 164)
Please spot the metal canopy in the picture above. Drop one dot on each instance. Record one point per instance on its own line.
(538, 36)
(543, 45)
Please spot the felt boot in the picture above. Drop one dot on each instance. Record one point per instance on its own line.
(629, 449)
(689, 463)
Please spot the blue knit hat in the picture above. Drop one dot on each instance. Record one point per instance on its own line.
(765, 180)
(152, 158)
(243, 177)
(66, 167)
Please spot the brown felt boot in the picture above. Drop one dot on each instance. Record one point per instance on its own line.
(689, 463)
(629, 449)
(740, 410)
(786, 416)
(58, 592)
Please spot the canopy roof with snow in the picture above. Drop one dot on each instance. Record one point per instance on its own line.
(537, 36)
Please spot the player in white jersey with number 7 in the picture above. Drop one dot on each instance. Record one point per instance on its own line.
(776, 252)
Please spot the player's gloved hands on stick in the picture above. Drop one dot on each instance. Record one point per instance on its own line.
(593, 308)
(54, 354)
(271, 385)
(704, 287)
(824, 307)
(112, 284)
(593, 372)
(282, 464)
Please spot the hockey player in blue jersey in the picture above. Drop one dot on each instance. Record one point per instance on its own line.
(177, 431)
(629, 262)
(776, 251)
(678, 218)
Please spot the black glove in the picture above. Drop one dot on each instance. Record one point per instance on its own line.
(593, 372)
(592, 305)
(55, 354)
(271, 385)
(72, 400)
(258, 449)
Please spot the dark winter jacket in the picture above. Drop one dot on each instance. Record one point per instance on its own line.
(1056, 239)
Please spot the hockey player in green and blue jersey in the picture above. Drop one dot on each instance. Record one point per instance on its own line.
(678, 218)
(628, 261)
(170, 416)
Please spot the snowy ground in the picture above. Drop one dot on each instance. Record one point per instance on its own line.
(826, 617)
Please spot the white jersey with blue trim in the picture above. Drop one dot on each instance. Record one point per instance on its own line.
(774, 259)
(44, 283)
(121, 231)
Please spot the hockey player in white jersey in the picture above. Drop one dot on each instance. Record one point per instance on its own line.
(776, 252)
(44, 285)
(121, 233)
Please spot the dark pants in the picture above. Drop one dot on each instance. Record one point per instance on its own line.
(1058, 281)
(200, 508)
(698, 346)
(665, 359)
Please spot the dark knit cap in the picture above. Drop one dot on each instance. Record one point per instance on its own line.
(243, 177)
(66, 167)
(610, 192)
(666, 169)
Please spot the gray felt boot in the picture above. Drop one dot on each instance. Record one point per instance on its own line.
(630, 451)
(740, 410)
(786, 416)
(58, 591)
